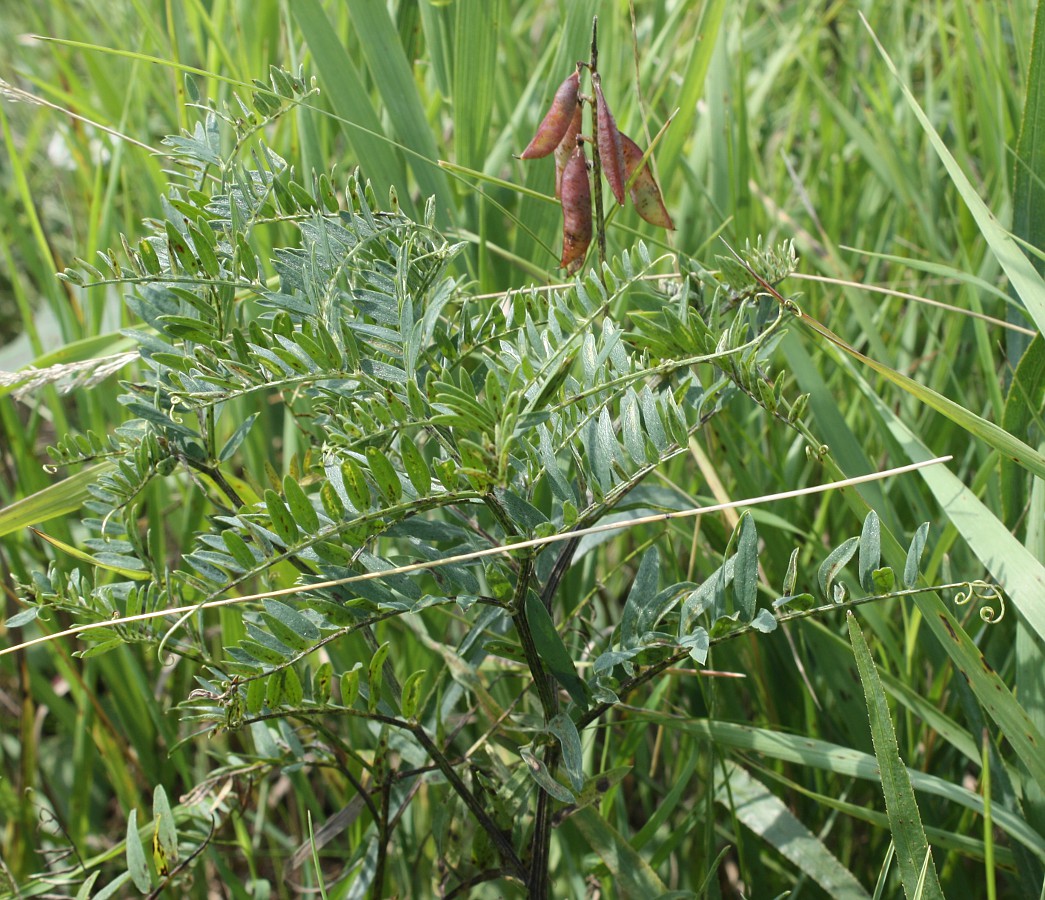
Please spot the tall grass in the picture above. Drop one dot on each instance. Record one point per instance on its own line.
(789, 121)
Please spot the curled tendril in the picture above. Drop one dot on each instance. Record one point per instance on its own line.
(793, 307)
(984, 592)
(818, 452)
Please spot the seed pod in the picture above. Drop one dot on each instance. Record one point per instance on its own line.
(644, 191)
(566, 147)
(551, 130)
(576, 212)
(610, 150)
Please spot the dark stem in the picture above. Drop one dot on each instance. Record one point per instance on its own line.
(508, 854)
(541, 678)
(562, 563)
(540, 846)
(383, 836)
(596, 167)
(341, 754)
(465, 887)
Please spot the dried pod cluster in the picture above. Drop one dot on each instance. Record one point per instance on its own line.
(620, 157)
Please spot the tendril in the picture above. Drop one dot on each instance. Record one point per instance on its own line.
(984, 592)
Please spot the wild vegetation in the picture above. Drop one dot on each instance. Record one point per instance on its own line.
(349, 548)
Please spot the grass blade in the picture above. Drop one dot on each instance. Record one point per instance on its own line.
(1024, 277)
(57, 500)
(378, 156)
(767, 816)
(395, 82)
(1028, 191)
(844, 761)
(632, 875)
(913, 854)
(477, 28)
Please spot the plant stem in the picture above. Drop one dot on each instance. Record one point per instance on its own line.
(498, 837)
(541, 679)
(540, 846)
(383, 838)
(596, 166)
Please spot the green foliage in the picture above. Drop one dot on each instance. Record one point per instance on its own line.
(323, 388)
(511, 409)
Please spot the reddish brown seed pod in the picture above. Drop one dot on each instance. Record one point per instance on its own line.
(644, 191)
(566, 147)
(554, 125)
(576, 211)
(610, 150)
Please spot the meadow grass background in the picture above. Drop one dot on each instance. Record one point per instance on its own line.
(788, 124)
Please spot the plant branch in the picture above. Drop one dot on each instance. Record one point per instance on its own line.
(541, 678)
(297, 590)
(596, 167)
(498, 837)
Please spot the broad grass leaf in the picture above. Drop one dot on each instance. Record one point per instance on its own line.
(766, 815)
(1017, 266)
(997, 437)
(395, 80)
(842, 761)
(351, 100)
(632, 874)
(1009, 563)
(917, 871)
(1022, 407)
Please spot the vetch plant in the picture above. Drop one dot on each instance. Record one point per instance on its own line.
(403, 488)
